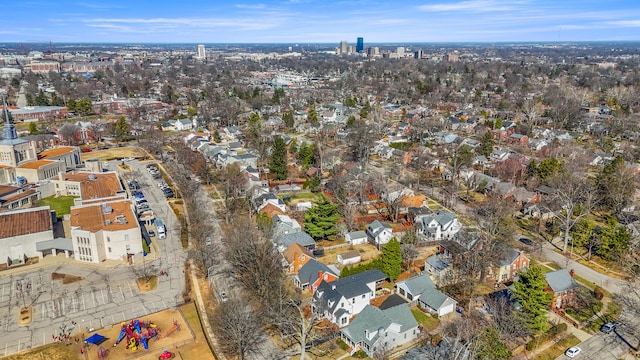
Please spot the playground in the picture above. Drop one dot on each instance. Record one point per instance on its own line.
(140, 339)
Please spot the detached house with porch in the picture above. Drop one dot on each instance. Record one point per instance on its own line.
(438, 226)
(340, 300)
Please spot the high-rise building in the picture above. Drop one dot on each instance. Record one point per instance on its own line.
(360, 45)
(343, 47)
(351, 49)
(400, 51)
(202, 53)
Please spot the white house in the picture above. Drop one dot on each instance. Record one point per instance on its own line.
(379, 233)
(422, 289)
(439, 226)
(183, 125)
(376, 330)
(340, 300)
(356, 237)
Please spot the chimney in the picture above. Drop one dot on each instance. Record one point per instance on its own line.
(571, 272)
(60, 176)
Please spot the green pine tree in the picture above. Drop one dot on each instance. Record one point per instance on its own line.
(33, 128)
(320, 221)
(392, 259)
(491, 346)
(487, 144)
(278, 161)
(530, 293)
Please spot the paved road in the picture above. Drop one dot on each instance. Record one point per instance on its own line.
(106, 295)
(219, 273)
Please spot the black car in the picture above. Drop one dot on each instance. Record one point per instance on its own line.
(526, 241)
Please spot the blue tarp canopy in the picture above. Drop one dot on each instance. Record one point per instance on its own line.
(96, 339)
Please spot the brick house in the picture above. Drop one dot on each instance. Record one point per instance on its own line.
(511, 261)
(563, 287)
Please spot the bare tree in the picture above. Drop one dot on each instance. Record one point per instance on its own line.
(69, 132)
(234, 183)
(237, 329)
(573, 199)
(96, 130)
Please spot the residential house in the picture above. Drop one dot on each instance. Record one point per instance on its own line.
(296, 256)
(422, 289)
(439, 267)
(312, 273)
(379, 233)
(168, 125)
(183, 125)
(518, 139)
(356, 237)
(232, 132)
(340, 300)
(438, 226)
(263, 199)
(510, 262)
(415, 213)
(498, 155)
(283, 224)
(283, 241)
(375, 330)
(564, 288)
(349, 257)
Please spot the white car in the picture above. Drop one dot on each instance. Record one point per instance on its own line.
(224, 297)
(573, 351)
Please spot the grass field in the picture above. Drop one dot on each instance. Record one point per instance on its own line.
(114, 153)
(367, 252)
(61, 204)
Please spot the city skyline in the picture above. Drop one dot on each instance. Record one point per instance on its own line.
(309, 21)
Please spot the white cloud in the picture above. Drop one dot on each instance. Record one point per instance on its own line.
(470, 5)
(251, 7)
(625, 23)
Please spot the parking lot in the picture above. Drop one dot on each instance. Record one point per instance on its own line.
(90, 295)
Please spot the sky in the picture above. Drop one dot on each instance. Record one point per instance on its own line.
(319, 21)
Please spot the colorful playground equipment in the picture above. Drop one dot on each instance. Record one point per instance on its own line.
(137, 332)
(102, 353)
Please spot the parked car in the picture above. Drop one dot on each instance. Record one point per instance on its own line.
(207, 241)
(609, 327)
(573, 351)
(152, 233)
(224, 297)
(526, 241)
(86, 150)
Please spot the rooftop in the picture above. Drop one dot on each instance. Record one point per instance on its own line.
(25, 221)
(111, 216)
(96, 185)
(56, 152)
(37, 164)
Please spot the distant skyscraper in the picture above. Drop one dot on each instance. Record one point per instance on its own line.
(202, 53)
(343, 47)
(360, 45)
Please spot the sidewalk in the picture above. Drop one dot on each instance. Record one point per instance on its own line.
(58, 260)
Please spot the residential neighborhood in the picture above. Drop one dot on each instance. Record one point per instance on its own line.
(473, 201)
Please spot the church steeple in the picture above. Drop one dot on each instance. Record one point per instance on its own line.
(9, 130)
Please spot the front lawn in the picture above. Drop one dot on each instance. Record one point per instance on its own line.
(61, 204)
(427, 322)
(558, 348)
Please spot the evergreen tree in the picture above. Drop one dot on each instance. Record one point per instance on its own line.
(313, 115)
(293, 147)
(122, 129)
(33, 128)
(487, 144)
(320, 220)
(71, 105)
(305, 155)
(216, 137)
(287, 117)
(613, 240)
(615, 185)
(530, 293)
(278, 161)
(350, 121)
(364, 113)
(392, 259)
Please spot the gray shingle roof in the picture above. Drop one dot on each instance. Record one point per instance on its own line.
(301, 238)
(309, 272)
(329, 294)
(418, 284)
(371, 319)
(433, 298)
(560, 280)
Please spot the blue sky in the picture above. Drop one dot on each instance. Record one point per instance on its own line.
(313, 21)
